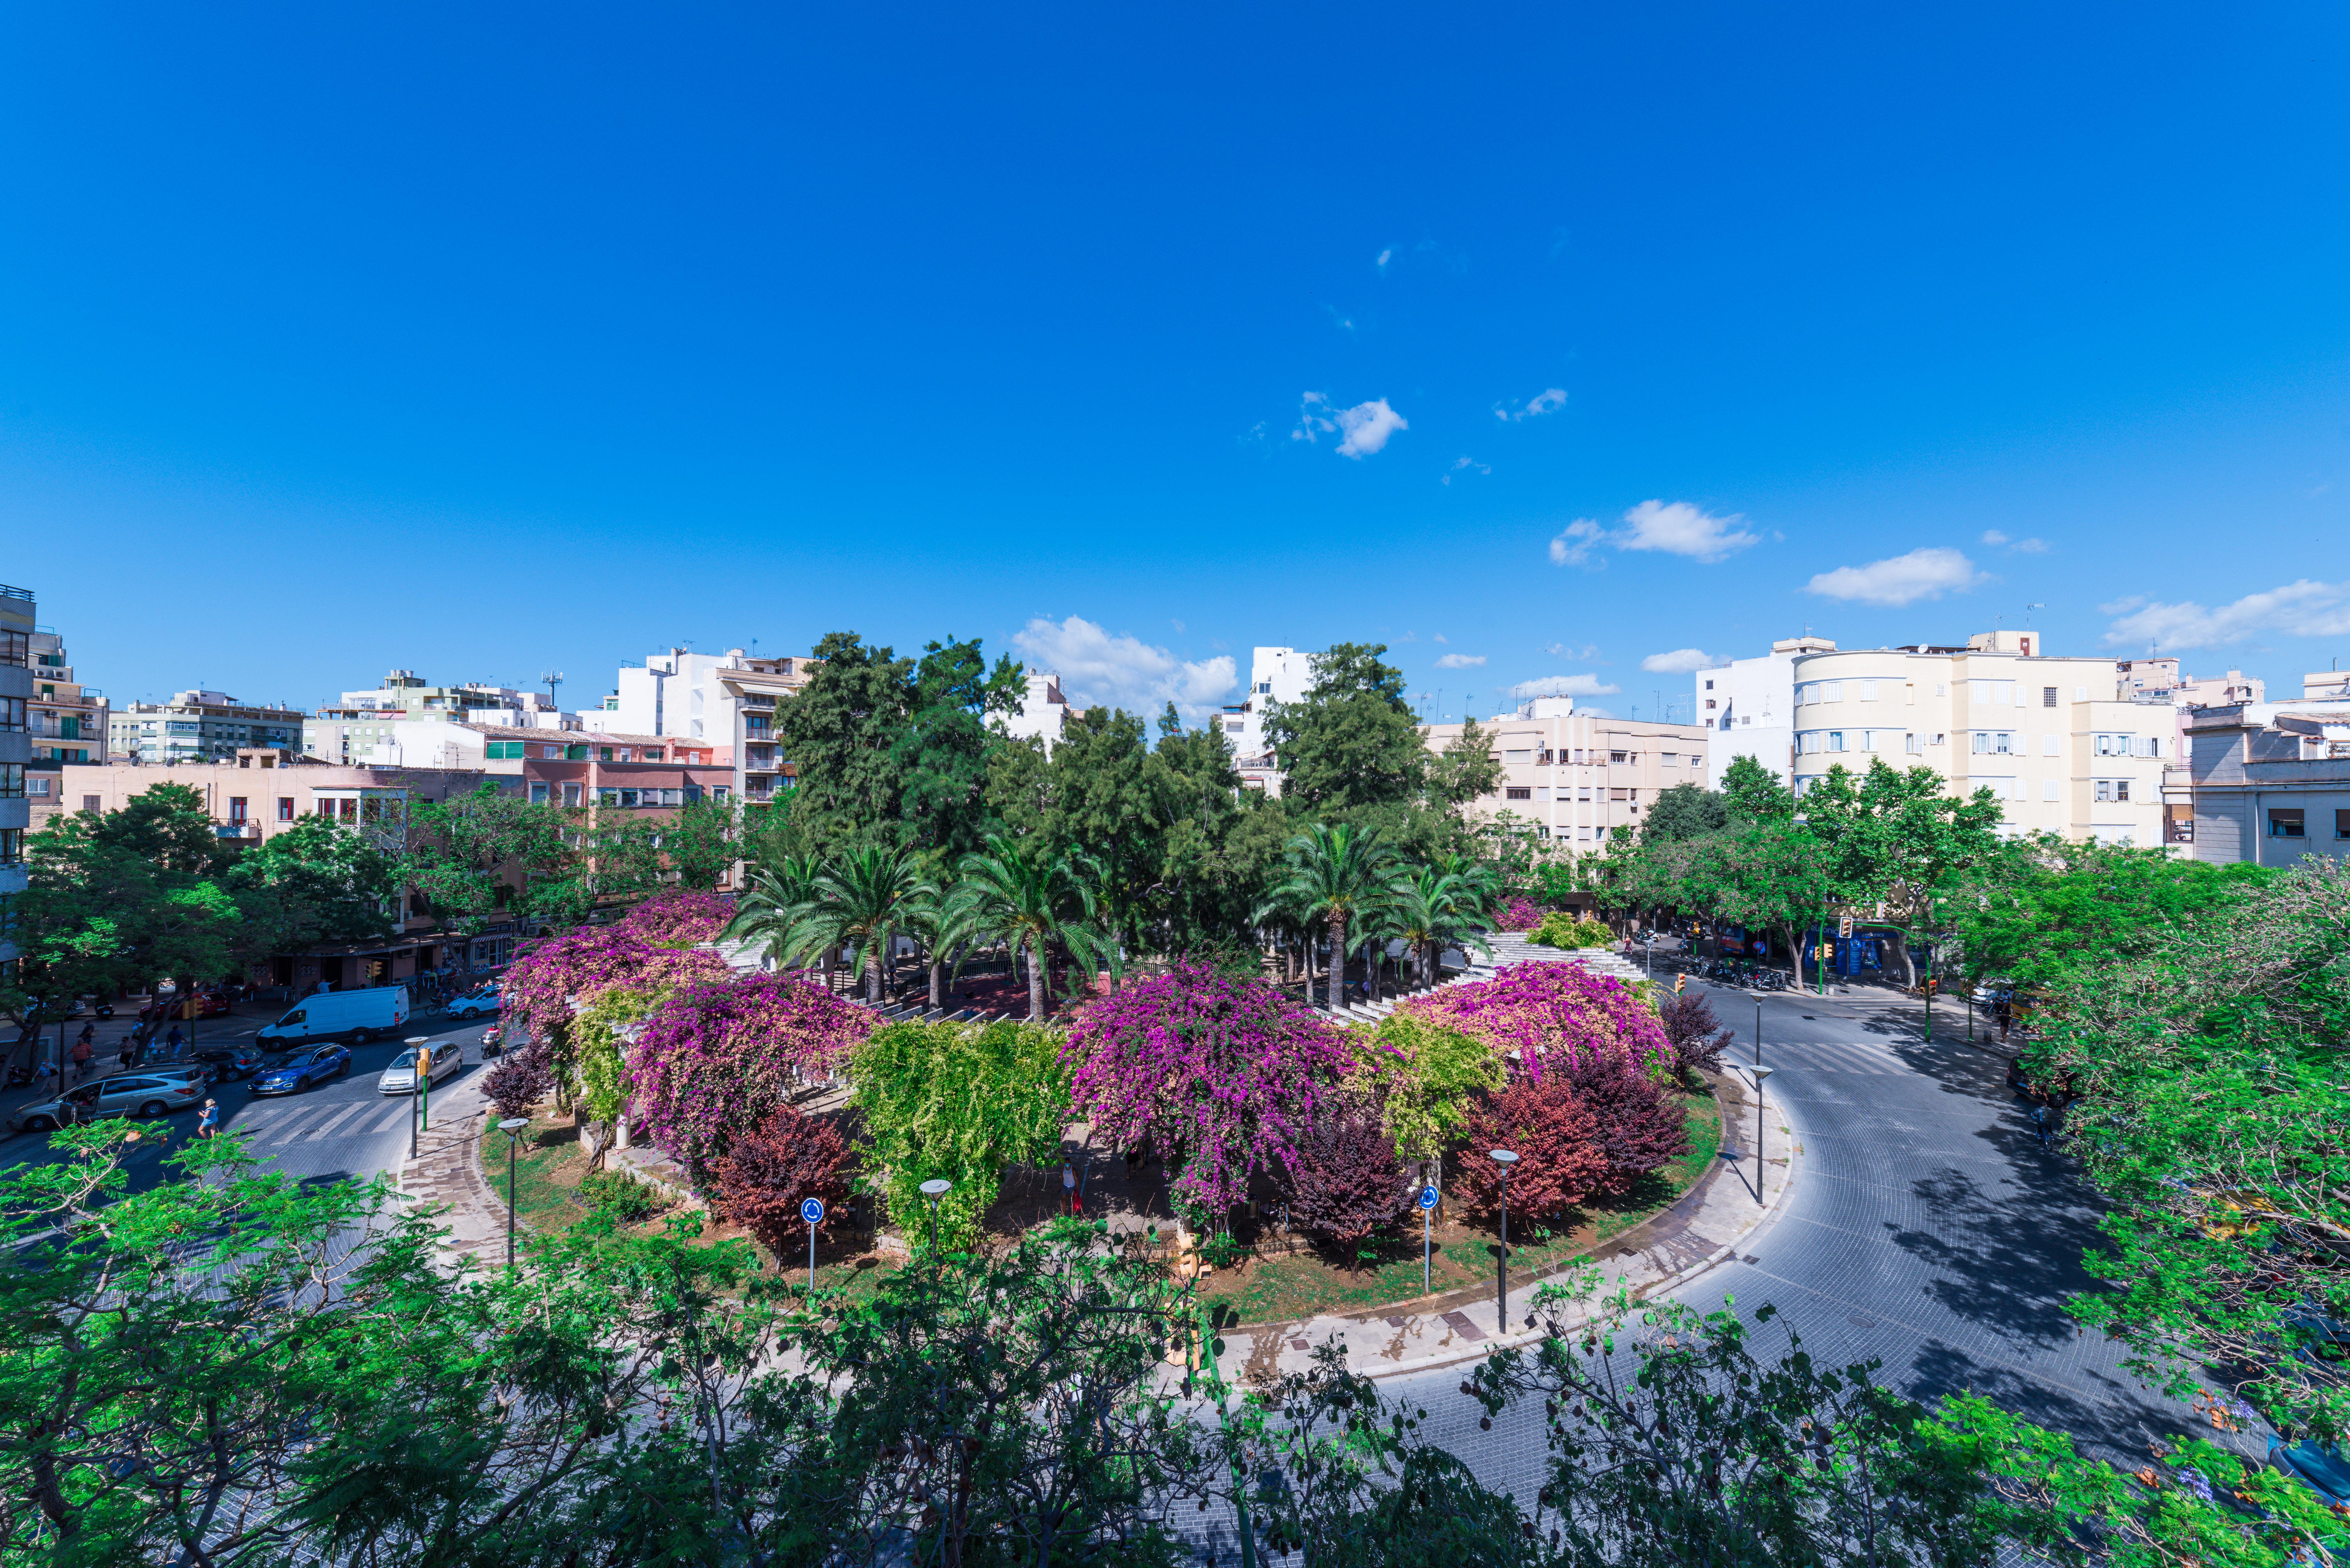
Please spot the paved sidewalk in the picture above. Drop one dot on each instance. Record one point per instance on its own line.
(1712, 1221)
(445, 1177)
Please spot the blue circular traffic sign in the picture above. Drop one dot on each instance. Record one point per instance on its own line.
(813, 1211)
(1428, 1197)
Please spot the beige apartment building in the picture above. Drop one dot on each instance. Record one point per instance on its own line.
(2050, 737)
(1581, 778)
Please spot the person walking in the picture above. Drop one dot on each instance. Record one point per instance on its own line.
(174, 1040)
(129, 1052)
(81, 1055)
(208, 1121)
(1069, 1188)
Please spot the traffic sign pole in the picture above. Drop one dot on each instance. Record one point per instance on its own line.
(1427, 1198)
(812, 1211)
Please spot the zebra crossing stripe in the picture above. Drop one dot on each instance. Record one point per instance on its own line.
(323, 1129)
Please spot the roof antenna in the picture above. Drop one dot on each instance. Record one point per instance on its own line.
(550, 678)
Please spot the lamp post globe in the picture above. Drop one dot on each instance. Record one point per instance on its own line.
(933, 1189)
(1504, 1158)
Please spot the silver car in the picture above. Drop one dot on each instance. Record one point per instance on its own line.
(123, 1095)
(400, 1078)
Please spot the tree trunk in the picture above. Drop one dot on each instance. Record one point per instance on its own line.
(1337, 990)
(873, 979)
(1035, 982)
(937, 981)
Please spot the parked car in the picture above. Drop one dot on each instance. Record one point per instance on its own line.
(476, 1004)
(354, 1016)
(123, 1095)
(298, 1071)
(400, 1078)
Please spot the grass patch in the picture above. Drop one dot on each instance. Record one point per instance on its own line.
(1299, 1284)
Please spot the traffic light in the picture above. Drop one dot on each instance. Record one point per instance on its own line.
(1680, 981)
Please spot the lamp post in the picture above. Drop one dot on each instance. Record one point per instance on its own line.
(1504, 1158)
(512, 1127)
(417, 1078)
(933, 1189)
(1758, 1071)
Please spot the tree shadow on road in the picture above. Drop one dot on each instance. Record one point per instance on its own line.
(2006, 1262)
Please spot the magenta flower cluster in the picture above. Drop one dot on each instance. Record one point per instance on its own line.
(557, 974)
(720, 1056)
(682, 919)
(1221, 1074)
(1549, 1012)
(1519, 914)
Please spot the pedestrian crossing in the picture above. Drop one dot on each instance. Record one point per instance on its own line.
(349, 1119)
(1867, 1059)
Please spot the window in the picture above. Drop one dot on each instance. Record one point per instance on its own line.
(11, 841)
(93, 803)
(720, 792)
(11, 781)
(37, 787)
(1916, 745)
(1519, 791)
(1671, 759)
(538, 791)
(571, 794)
(550, 753)
(604, 754)
(1708, 686)
(2285, 821)
(1583, 793)
(1233, 726)
(1619, 794)
(756, 723)
(1708, 702)
(12, 714)
(2342, 825)
(2050, 746)
(1836, 740)
(2110, 789)
(285, 808)
(575, 755)
(236, 808)
(1869, 690)
(1523, 757)
(2048, 789)
(2000, 693)
(1994, 742)
(504, 750)
(1618, 756)
(2112, 745)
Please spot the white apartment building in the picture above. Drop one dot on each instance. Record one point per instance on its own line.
(1275, 675)
(1581, 778)
(1041, 711)
(1749, 706)
(725, 699)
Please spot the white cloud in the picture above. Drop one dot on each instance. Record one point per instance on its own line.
(1998, 540)
(1674, 528)
(2300, 608)
(1681, 662)
(1566, 686)
(1441, 638)
(1469, 464)
(1992, 536)
(1561, 651)
(1922, 574)
(1386, 257)
(1363, 428)
(1549, 400)
(1461, 661)
(1123, 671)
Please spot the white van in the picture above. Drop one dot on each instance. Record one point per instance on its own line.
(355, 1016)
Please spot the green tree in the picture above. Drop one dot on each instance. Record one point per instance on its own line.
(1036, 900)
(1095, 796)
(701, 843)
(1685, 811)
(1433, 907)
(1895, 838)
(489, 855)
(1751, 791)
(1467, 770)
(942, 752)
(861, 900)
(1342, 877)
(315, 882)
(1220, 843)
(842, 730)
(1351, 745)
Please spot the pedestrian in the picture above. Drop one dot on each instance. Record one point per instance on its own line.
(1069, 1188)
(129, 1052)
(81, 1055)
(174, 1040)
(208, 1123)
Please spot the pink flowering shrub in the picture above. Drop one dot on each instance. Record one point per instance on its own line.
(1519, 914)
(1549, 1012)
(682, 919)
(557, 974)
(1221, 1072)
(721, 1057)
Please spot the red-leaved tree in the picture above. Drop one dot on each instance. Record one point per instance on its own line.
(1556, 1138)
(1696, 1036)
(521, 1079)
(1640, 1127)
(767, 1173)
(1344, 1180)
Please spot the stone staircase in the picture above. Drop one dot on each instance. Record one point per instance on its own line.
(1509, 947)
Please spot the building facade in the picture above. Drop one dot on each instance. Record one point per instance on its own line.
(2266, 782)
(66, 721)
(1581, 778)
(1275, 675)
(1041, 712)
(199, 726)
(18, 616)
(1749, 704)
(352, 729)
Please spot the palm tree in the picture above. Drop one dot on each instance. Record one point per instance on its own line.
(1033, 898)
(862, 900)
(941, 922)
(1341, 875)
(1433, 908)
(773, 900)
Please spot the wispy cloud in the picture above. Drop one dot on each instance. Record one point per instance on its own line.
(2300, 608)
(1362, 429)
(2000, 541)
(1385, 256)
(1681, 662)
(1345, 323)
(1922, 574)
(1568, 686)
(1675, 528)
(1123, 671)
(1564, 650)
(1461, 661)
(1549, 400)
(1464, 466)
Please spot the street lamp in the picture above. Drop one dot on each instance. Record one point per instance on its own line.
(935, 1188)
(417, 1077)
(1504, 1158)
(1758, 1072)
(512, 1127)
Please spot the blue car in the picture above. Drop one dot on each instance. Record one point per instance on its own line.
(476, 1004)
(304, 1068)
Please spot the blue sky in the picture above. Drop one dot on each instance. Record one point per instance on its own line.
(1538, 342)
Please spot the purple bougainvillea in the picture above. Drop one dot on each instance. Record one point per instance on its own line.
(1220, 1074)
(722, 1056)
(1518, 914)
(676, 919)
(554, 975)
(1549, 1012)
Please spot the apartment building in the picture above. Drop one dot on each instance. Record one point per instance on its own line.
(1042, 710)
(742, 720)
(1581, 778)
(2049, 736)
(2265, 782)
(65, 720)
(1275, 675)
(352, 729)
(18, 615)
(1749, 706)
(199, 726)
(2334, 684)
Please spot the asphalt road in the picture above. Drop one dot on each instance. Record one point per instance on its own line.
(345, 1127)
(1928, 1230)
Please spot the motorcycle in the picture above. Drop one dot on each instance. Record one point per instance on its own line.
(493, 1040)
